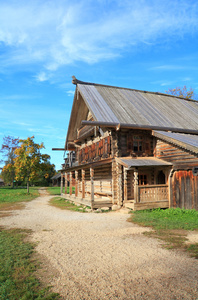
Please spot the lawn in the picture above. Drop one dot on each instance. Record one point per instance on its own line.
(56, 190)
(17, 269)
(62, 203)
(167, 218)
(9, 196)
(170, 225)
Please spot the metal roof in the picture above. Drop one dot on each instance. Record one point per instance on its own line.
(127, 106)
(186, 141)
(130, 162)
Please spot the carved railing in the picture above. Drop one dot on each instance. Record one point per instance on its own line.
(152, 193)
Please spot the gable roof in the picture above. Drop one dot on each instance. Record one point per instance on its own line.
(186, 141)
(116, 105)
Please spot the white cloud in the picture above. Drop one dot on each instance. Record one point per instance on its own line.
(42, 76)
(168, 67)
(70, 93)
(52, 34)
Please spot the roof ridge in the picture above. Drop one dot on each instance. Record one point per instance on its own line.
(76, 81)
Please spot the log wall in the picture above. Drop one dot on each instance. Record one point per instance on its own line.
(176, 155)
(102, 181)
(183, 184)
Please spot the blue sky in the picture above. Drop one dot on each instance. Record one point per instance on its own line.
(146, 44)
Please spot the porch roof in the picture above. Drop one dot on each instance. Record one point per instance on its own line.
(130, 162)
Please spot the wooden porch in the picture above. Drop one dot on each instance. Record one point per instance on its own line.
(149, 196)
(99, 203)
(93, 187)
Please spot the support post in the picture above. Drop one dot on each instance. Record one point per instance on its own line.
(76, 183)
(125, 184)
(136, 194)
(65, 183)
(114, 182)
(61, 183)
(119, 185)
(70, 183)
(83, 183)
(92, 186)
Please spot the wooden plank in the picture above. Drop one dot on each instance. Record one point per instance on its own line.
(83, 183)
(151, 205)
(65, 183)
(92, 186)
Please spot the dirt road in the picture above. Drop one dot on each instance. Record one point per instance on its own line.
(102, 256)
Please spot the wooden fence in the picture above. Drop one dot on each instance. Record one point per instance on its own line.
(152, 193)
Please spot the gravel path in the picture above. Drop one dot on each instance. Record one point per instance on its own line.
(101, 256)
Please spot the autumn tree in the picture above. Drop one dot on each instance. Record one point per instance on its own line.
(29, 160)
(47, 171)
(8, 148)
(182, 92)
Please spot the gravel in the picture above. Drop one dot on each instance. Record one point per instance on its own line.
(102, 256)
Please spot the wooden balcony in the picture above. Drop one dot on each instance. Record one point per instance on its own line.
(152, 193)
(149, 197)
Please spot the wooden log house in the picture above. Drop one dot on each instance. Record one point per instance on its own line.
(132, 148)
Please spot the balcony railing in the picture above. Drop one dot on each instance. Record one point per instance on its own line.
(152, 193)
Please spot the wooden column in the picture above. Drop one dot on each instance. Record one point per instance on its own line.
(61, 183)
(136, 196)
(114, 181)
(119, 170)
(70, 183)
(83, 183)
(76, 183)
(125, 184)
(92, 186)
(170, 188)
(65, 183)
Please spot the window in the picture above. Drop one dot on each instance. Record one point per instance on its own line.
(137, 143)
(143, 180)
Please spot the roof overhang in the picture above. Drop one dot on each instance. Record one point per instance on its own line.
(117, 126)
(131, 163)
(185, 141)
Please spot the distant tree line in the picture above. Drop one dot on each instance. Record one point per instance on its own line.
(182, 92)
(24, 163)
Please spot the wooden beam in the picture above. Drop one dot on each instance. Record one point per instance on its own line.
(58, 149)
(92, 186)
(83, 183)
(65, 183)
(70, 183)
(136, 196)
(76, 183)
(137, 126)
(125, 184)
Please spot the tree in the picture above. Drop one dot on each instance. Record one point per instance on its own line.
(182, 92)
(47, 171)
(29, 161)
(8, 148)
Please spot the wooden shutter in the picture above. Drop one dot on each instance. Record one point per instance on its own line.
(109, 145)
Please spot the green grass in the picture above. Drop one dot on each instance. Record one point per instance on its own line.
(56, 190)
(11, 196)
(170, 225)
(64, 204)
(17, 269)
(167, 219)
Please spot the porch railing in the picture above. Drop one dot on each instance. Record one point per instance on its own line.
(152, 193)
